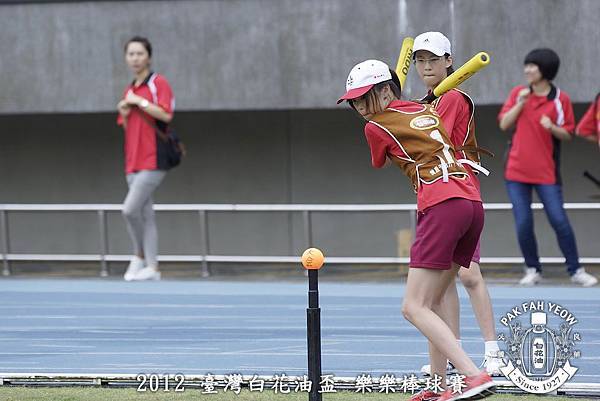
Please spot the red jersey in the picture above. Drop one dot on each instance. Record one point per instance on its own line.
(590, 122)
(385, 142)
(141, 150)
(457, 111)
(534, 154)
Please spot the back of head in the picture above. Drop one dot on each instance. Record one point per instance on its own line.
(547, 61)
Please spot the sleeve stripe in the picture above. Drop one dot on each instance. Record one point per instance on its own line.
(560, 119)
(153, 89)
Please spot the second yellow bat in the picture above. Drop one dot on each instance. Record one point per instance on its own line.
(476, 63)
(404, 60)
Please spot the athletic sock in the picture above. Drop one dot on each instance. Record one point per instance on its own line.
(491, 347)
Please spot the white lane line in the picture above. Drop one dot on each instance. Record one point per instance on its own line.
(25, 362)
(272, 370)
(186, 348)
(136, 365)
(290, 347)
(195, 339)
(62, 346)
(394, 303)
(272, 354)
(402, 326)
(348, 338)
(45, 305)
(154, 317)
(588, 306)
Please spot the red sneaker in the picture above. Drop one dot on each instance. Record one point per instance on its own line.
(476, 388)
(425, 395)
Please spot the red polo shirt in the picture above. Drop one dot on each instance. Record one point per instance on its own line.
(534, 154)
(590, 122)
(383, 146)
(140, 137)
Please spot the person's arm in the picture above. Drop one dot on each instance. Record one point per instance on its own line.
(558, 132)
(509, 118)
(383, 149)
(124, 109)
(377, 145)
(587, 127)
(151, 109)
(565, 125)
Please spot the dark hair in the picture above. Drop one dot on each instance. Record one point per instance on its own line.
(547, 61)
(393, 84)
(372, 103)
(398, 89)
(450, 69)
(140, 39)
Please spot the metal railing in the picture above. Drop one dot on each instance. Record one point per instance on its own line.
(103, 256)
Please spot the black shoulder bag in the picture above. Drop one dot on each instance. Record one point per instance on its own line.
(169, 148)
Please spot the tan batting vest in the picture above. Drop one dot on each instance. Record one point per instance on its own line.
(468, 152)
(429, 153)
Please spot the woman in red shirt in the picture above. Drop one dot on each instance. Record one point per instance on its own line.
(433, 61)
(542, 117)
(450, 213)
(589, 125)
(147, 104)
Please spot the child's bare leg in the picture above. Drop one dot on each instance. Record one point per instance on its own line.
(424, 288)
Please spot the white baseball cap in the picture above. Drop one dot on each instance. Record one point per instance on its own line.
(363, 77)
(434, 42)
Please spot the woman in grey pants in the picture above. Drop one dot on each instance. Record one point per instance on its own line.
(147, 104)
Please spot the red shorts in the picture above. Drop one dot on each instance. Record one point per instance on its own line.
(477, 255)
(447, 232)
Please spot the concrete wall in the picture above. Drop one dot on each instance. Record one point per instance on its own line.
(301, 156)
(274, 54)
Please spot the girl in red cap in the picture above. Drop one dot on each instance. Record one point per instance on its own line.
(433, 60)
(450, 213)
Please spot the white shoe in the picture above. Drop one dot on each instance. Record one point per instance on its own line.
(450, 369)
(492, 364)
(532, 277)
(135, 265)
(147, 273)
(583, 278)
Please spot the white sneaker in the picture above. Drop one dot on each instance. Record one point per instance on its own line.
(532, 277)
(450, 369)
(583, 278)
(492, 364)
(135, 265)
(147, 273)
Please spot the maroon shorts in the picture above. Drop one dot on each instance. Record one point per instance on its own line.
(447, 232)
(477, 255)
